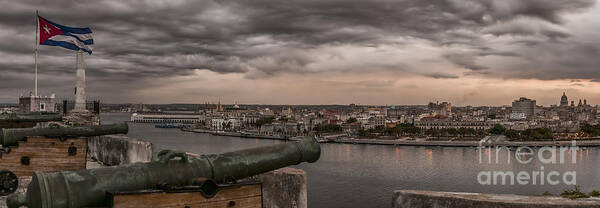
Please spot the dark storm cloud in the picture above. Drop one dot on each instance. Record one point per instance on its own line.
(145, 39)
(441, 75)
(528, 27)
(557, 60)
(465, 60)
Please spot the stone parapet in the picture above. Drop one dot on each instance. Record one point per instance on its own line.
(284, 188)
(426, 199)
(114, 150)
(81, 119)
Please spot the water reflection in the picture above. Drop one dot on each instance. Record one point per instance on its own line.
(365, 175)
(429, 156)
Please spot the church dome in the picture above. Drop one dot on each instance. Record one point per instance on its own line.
(563, 100)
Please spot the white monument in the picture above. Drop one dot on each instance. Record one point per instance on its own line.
(80, 115)
(80, 102)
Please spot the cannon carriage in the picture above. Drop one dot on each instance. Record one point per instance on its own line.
(48, 149)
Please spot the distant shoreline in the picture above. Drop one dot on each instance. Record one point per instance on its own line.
(580, 143)
(233, 134)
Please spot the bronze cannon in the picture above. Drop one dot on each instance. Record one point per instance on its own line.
(26, 120)
(31, 117)
(9, 137)
(89, 188)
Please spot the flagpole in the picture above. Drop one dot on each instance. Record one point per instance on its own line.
(35, 76)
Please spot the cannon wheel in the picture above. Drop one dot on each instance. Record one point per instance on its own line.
(8, 182)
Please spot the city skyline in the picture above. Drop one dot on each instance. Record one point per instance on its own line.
(569, 102)
(307, 52)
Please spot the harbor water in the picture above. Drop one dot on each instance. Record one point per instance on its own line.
(349, 175)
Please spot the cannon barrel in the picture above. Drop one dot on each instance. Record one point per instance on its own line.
(88, 188)
(10, 137)
(31, 117)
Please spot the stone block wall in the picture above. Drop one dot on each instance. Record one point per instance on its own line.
(284, 188)
(426, 199)
(114, 150)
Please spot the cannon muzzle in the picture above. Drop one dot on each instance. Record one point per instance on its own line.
(9, 137)
(88, 188)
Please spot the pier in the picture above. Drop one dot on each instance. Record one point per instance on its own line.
(166, 118)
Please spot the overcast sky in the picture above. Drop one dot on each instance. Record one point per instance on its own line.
(468, 52)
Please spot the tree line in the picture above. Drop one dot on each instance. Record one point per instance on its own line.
(592, 130)
(535, 134)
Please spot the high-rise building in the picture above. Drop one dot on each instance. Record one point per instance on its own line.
(564, 101)
(525, 106)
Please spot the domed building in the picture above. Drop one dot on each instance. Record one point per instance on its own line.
(564, 102)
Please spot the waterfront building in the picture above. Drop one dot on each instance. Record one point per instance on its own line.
(307, 123)
(267, 129)
(374, 122)
(224, 124)
(431, 123)
(249, 119)
(281, 128)
(166, 118)
(525, 106)
(351, 127)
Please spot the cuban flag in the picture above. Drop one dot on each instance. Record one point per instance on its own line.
(53, 34)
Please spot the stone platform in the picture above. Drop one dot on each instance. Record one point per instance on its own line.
(285, 187)
(426, 199)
